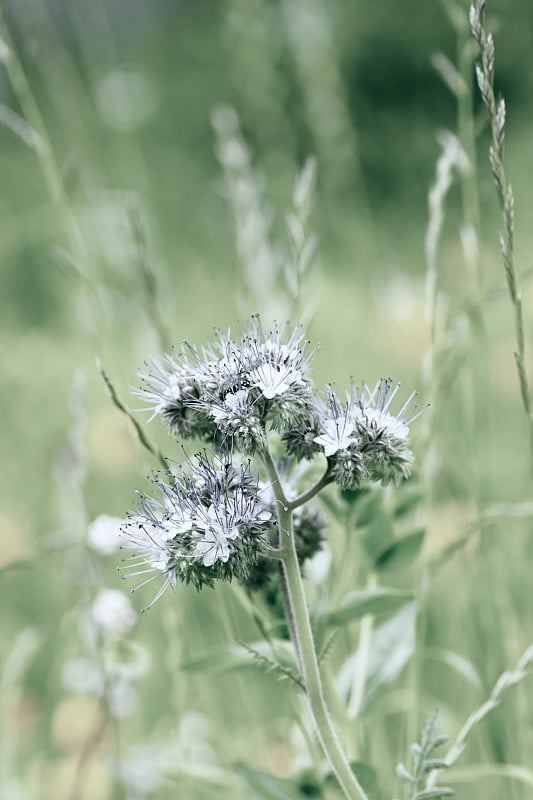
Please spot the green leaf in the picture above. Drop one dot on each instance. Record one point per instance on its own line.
(404, 775)
(457, 662)
(365, 774)
(267, 786)
(378, 535)
(379, 600)
(402, 552)
(334, 508)
(408, 499)
(391, 647)
(371, 507)
(283, 672)
(435, 794)
(353, 496)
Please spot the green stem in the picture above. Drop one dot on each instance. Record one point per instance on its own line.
(302, 636)
(310, 493)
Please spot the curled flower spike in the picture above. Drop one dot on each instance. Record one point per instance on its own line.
(362, 439)
(209, 524)
(339, 440)
(170, 389)
(236, 387)
(384, 436)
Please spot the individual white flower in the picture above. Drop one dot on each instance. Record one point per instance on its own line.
(218, 531)
(274, 380)
(374, 410)
(337, 435)
(234, 404)
(177, 520)
(147, 535)
(113, 612)
(242, 508)
(213, 547)
(103, 534)
(386, 422)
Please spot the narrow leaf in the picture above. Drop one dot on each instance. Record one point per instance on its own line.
(375, 601)
(371, 506)
(378, 534)
(402, 552)
(435, 793)
(392, 645)
(457, 662)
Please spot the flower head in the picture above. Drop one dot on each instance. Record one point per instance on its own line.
(235, 386)
(238, 420)
(362, 439)
(384, 436)
(208, 524)
(339, 440)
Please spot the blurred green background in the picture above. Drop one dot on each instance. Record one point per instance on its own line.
(107, 111)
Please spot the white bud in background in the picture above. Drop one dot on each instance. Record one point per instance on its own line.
(82, 675)
(121, 699)
(103, 534)
(113, 612)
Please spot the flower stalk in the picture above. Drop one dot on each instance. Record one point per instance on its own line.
(302, 636)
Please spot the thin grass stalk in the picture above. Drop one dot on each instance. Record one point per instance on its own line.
(42, 147)
(496, 113)
(505, 681)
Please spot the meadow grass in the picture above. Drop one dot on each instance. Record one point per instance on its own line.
(121, 236)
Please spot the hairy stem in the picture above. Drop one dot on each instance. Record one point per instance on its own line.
(302, 636)
(310, 493)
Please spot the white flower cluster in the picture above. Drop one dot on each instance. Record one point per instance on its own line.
(232, 387)
(147, 769)
(109, 663)
(210, 520)
(362, 439)
(210, 523)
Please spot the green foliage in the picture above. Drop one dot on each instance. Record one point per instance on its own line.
(401, 553)
(119, 238)
(424, 761)
(367, 775)
(391, 646)
(375, 601)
